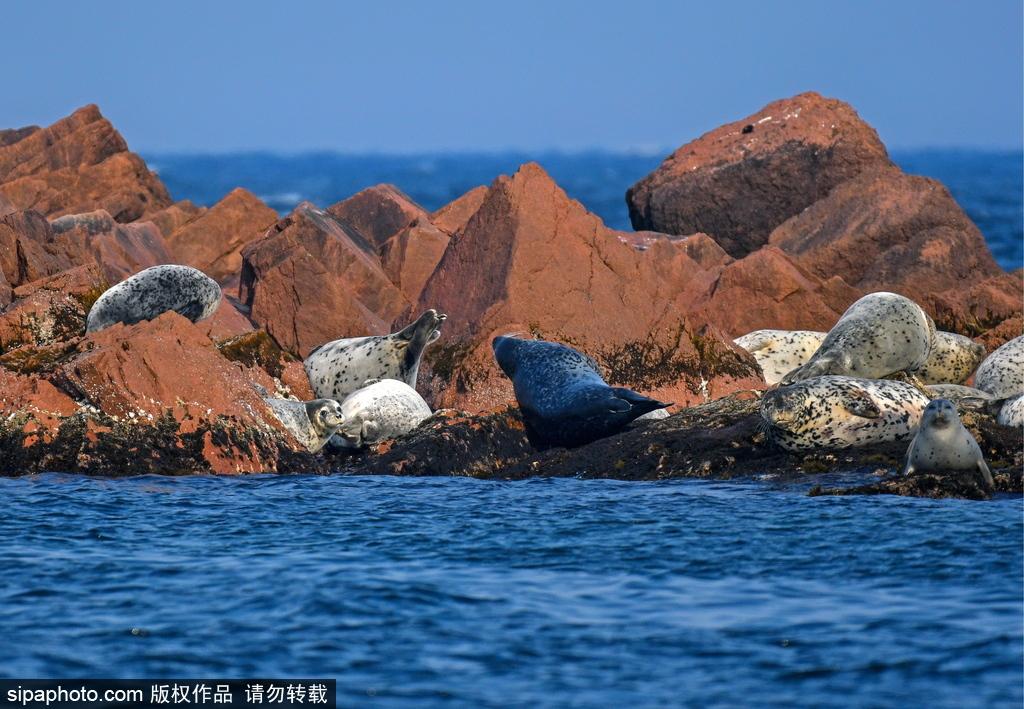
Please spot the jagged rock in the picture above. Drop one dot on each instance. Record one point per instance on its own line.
(377, 213)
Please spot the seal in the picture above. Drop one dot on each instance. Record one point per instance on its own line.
(964, 397)
(779, 352)
(151, 293)
(951, 360)
(379, 410)
(879, 335)
(1012, 412)
(841, 412)
(338, 368)
(943, 444)
(1002, 372)
(561, 394)
(311, 422)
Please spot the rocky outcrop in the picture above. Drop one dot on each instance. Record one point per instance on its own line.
(410, 256)
(740, 181)
(78, 164)
(534, 261)
(26, 250)
(454, 216)
(312, 279)
(120, 249)
(213, 240)
(377, 213)
(170, 219)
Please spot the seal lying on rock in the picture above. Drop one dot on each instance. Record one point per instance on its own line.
(1002, 372)
(151, 293)
(381, 409)
(338, 368)
(880, 334)
(779, 352)
(942, 443)
(952, 359)
(311, 422)
(564, 400)
(1012, 412)
(841, 412)
(964, 397)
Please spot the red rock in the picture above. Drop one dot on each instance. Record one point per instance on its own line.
(213, 241)
(410, 256)
(41, 403)
(534, 261)
(26, 248)
(1002, 333)
(6, 207)
(42, 317)
(86, 283)
(885, 230)
(311, 279)
(78, 164)
(740, 181)
(10, 136)
(225, 322)
(454, 216)
(170, 219)
(377, 213)
(121, 249)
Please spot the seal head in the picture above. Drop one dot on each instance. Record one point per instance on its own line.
(561, 394)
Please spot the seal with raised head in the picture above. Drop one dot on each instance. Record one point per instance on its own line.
(151, 293)
(779, 352)
(564, 400)
(1002, 372)
(338, 368)
(841, 412)
(943, 444)
(879, 335)
(951, 360)
(379, 410)
(311, 422)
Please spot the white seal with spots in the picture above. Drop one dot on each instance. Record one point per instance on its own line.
(841, 412)
(1002, 372)
(952, 359)
(779, 352)
(378, 411)
(340, 367)
(1012, 412)
(153, 292)
(943, 444)
(311, 422)
(879, 335)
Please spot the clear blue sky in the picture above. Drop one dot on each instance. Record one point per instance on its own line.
(425, 76)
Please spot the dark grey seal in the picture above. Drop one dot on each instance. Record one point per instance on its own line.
(564, 400)
(153, 292)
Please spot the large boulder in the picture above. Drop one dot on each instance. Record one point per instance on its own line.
(213, 240)
(410, 256)
(377, 213)
(312, 279)
(78, 164)
(533, 260)
(738, 182)
(27, 250)
(120, 249)
(454, 216)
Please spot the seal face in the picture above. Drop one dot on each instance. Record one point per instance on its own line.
(151, 293)
(1012, 412)
(564, 400)
(779, 352)
(1002, 372)
(311, 422)
(943, 444)
(840, 412)
(880, 334)
(380, 410)
(338, 368)
(952, 359)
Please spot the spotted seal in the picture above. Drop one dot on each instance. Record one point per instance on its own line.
(943, 444)
(964, 397)
(1012, 412)
(564, 400)
(880, 334)
(951, 360)
(381, 409)
(779, 352)
(338, 368)
(841, 412)
(311, 422)
(152, 292)
(1002, 372)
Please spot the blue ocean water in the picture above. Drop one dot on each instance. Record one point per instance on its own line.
(544, 593)
(988, 185)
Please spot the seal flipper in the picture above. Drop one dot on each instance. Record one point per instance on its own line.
(860, 404)
(986, 473)
(637, 403)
